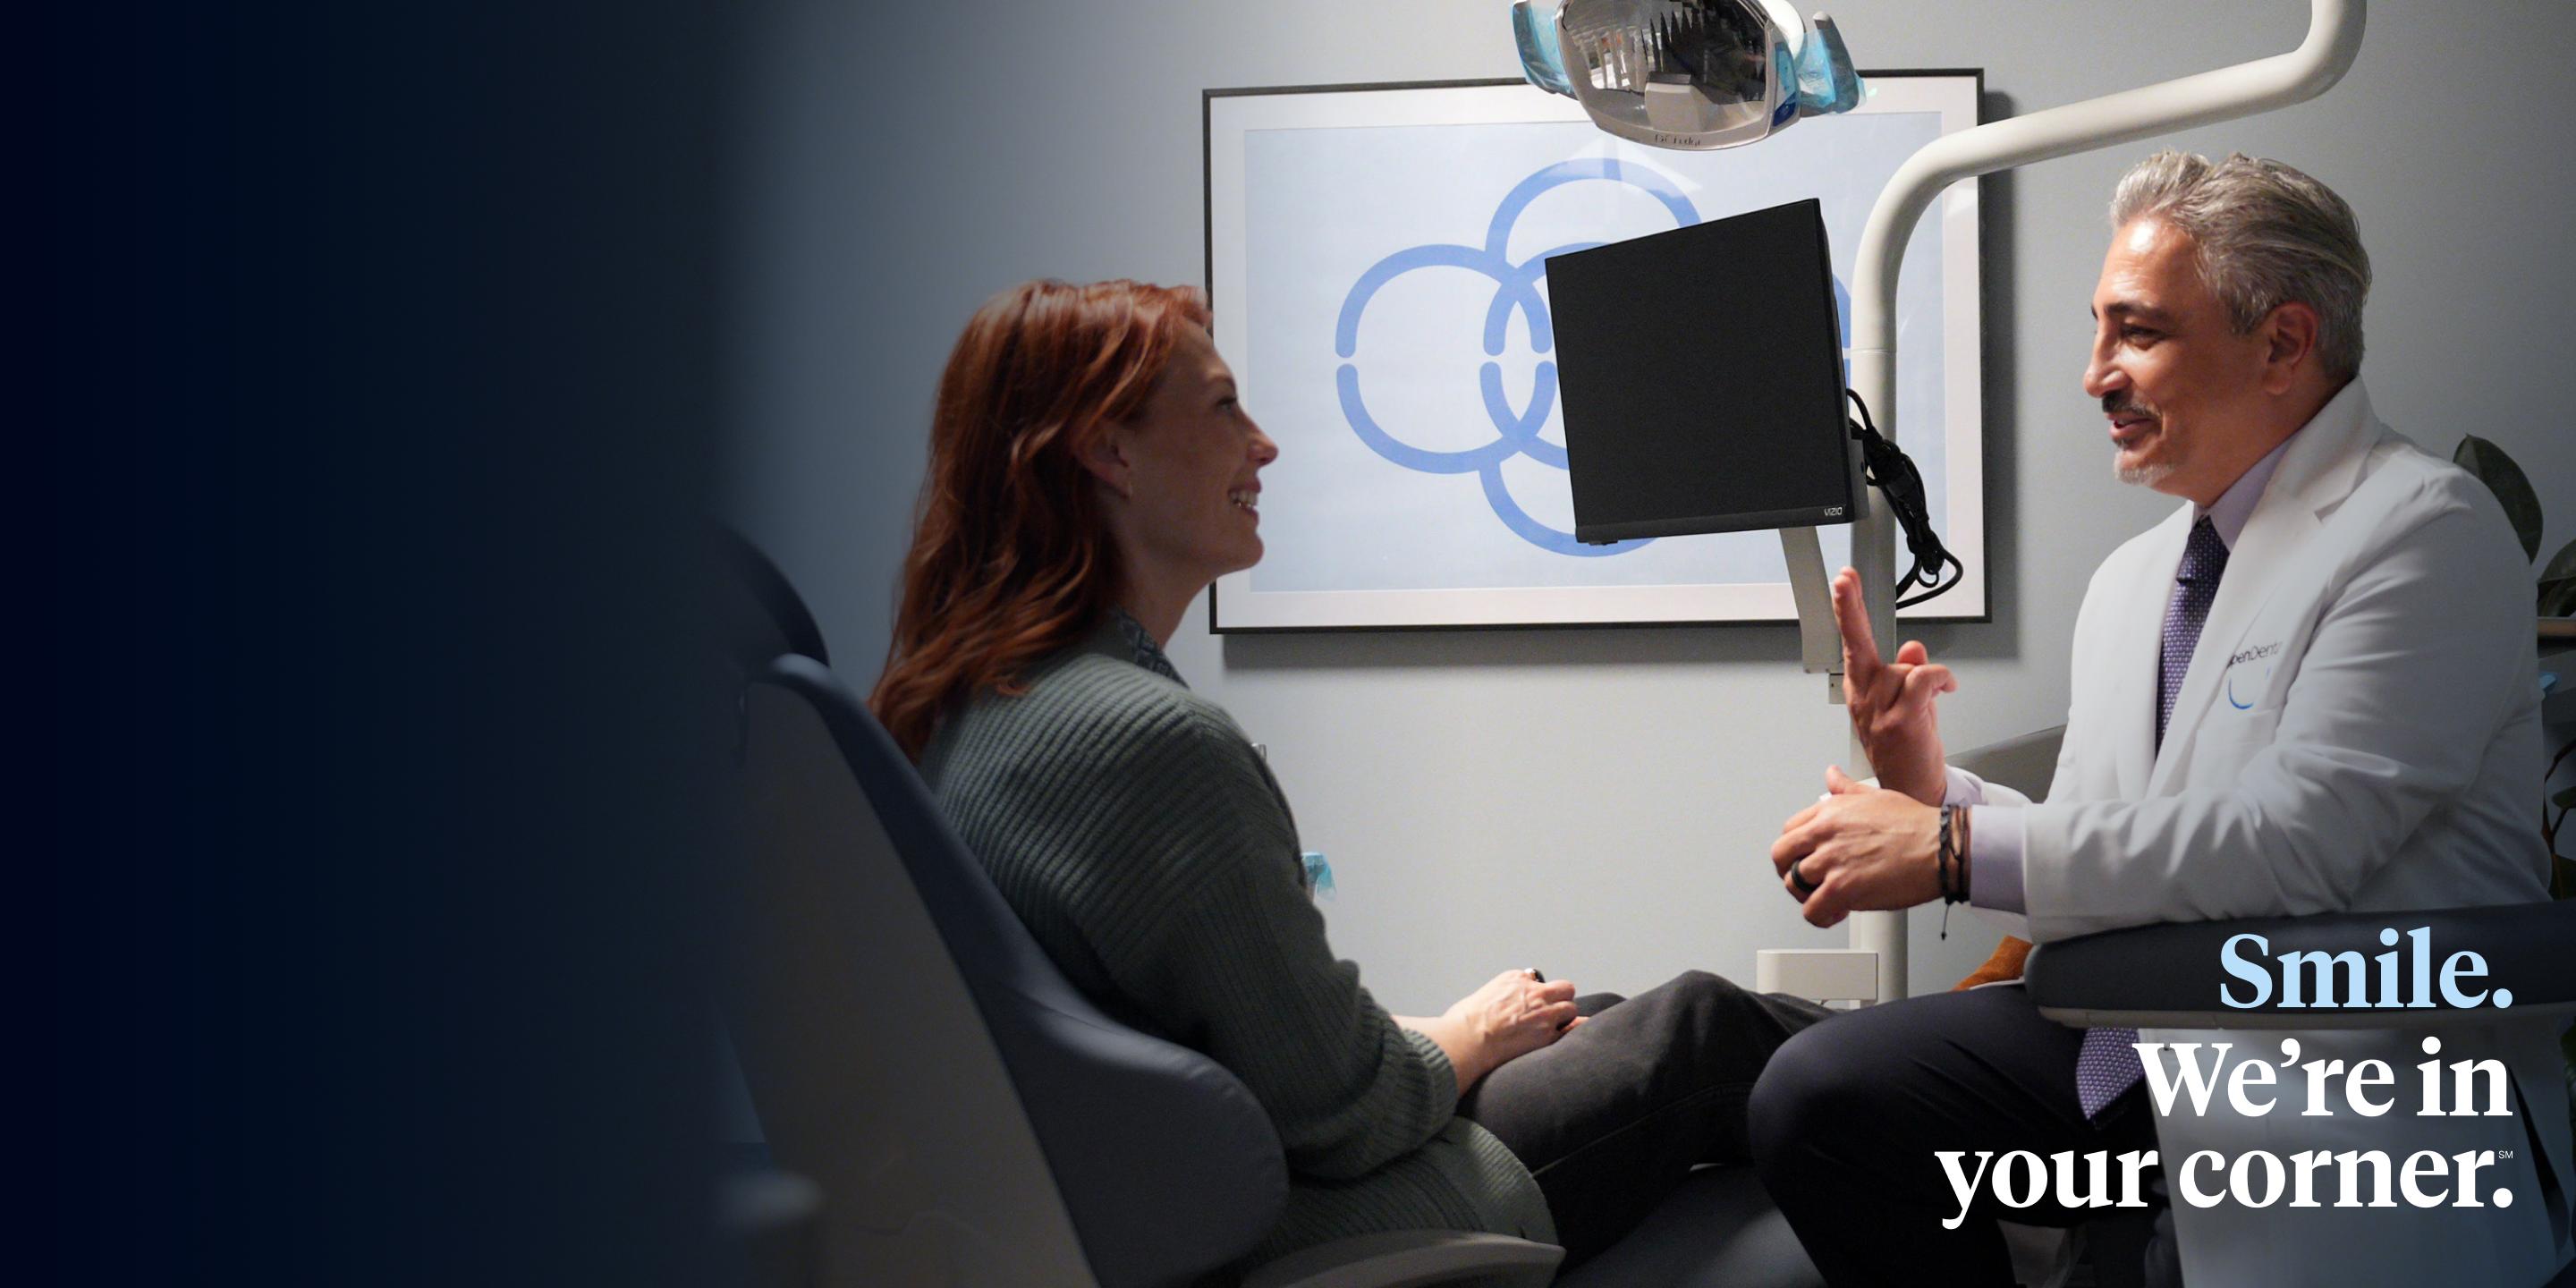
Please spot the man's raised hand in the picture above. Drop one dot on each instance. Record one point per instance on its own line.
(1892, 702)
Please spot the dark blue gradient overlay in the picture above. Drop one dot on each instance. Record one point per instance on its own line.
(360, 405)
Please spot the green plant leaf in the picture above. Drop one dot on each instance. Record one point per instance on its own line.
(2558, 583)
(2510, 485)
(2565, 799)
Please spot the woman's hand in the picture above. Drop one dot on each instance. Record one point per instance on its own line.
(1512, 1015)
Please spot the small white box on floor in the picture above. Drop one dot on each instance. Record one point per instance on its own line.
(1817, 974)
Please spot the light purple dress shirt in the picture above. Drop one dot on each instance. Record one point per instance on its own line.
(1996, 839)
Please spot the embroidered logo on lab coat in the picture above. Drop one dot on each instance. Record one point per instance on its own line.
(2258, 653)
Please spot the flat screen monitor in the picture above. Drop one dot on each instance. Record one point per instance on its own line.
(1702, 377)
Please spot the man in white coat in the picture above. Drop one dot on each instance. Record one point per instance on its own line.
(2311, 689)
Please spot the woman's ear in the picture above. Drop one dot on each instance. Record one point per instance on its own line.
(1107, 461)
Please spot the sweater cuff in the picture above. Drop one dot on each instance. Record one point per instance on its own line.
(1444, 1075)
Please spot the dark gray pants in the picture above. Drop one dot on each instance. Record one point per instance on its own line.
(1848, 1116)
(1612, 1117)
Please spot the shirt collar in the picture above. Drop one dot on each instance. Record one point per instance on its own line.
(2236, 505)
(1123, 637)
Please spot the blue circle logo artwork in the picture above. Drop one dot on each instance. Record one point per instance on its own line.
(1515, 290)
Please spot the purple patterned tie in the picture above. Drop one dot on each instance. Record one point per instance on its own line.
(2108, 1065)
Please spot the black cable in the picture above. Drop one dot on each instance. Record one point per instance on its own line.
(1888, 469)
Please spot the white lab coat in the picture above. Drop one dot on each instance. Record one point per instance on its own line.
(2359, 730)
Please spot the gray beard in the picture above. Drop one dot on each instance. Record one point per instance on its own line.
(2142, 475)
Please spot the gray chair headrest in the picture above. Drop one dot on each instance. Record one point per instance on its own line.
(1167, 1165)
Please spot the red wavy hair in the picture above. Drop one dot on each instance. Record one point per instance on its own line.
(1011, 554)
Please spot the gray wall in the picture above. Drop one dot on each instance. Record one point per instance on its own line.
(1598, 803)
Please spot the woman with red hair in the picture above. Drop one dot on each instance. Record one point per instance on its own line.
(1091, 471)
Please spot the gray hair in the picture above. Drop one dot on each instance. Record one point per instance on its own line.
(2267, 236)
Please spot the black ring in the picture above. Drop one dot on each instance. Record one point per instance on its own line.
(1798, 880)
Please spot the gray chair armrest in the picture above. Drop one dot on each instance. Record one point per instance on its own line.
(2169, 976)
(1404, 1258)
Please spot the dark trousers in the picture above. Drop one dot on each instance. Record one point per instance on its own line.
(1612, 1117)
(1847, 1117)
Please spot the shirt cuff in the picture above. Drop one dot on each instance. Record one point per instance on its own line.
(1963, 788)
(1995, 845)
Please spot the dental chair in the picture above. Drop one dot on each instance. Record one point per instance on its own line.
(969, 1118)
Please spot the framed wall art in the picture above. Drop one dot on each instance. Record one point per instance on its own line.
(1375, 254)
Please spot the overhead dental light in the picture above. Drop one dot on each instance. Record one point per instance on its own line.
(1698, 74)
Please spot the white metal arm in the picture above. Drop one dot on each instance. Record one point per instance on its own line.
(2334, 37)
(2247, 89)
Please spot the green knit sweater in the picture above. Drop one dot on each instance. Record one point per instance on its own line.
(1143, 841)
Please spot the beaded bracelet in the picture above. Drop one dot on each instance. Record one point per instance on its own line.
(1946, 862)
(1949, 866)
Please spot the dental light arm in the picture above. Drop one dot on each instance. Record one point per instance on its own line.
(2247, 89)
(1607, 60)
(2334, 37)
